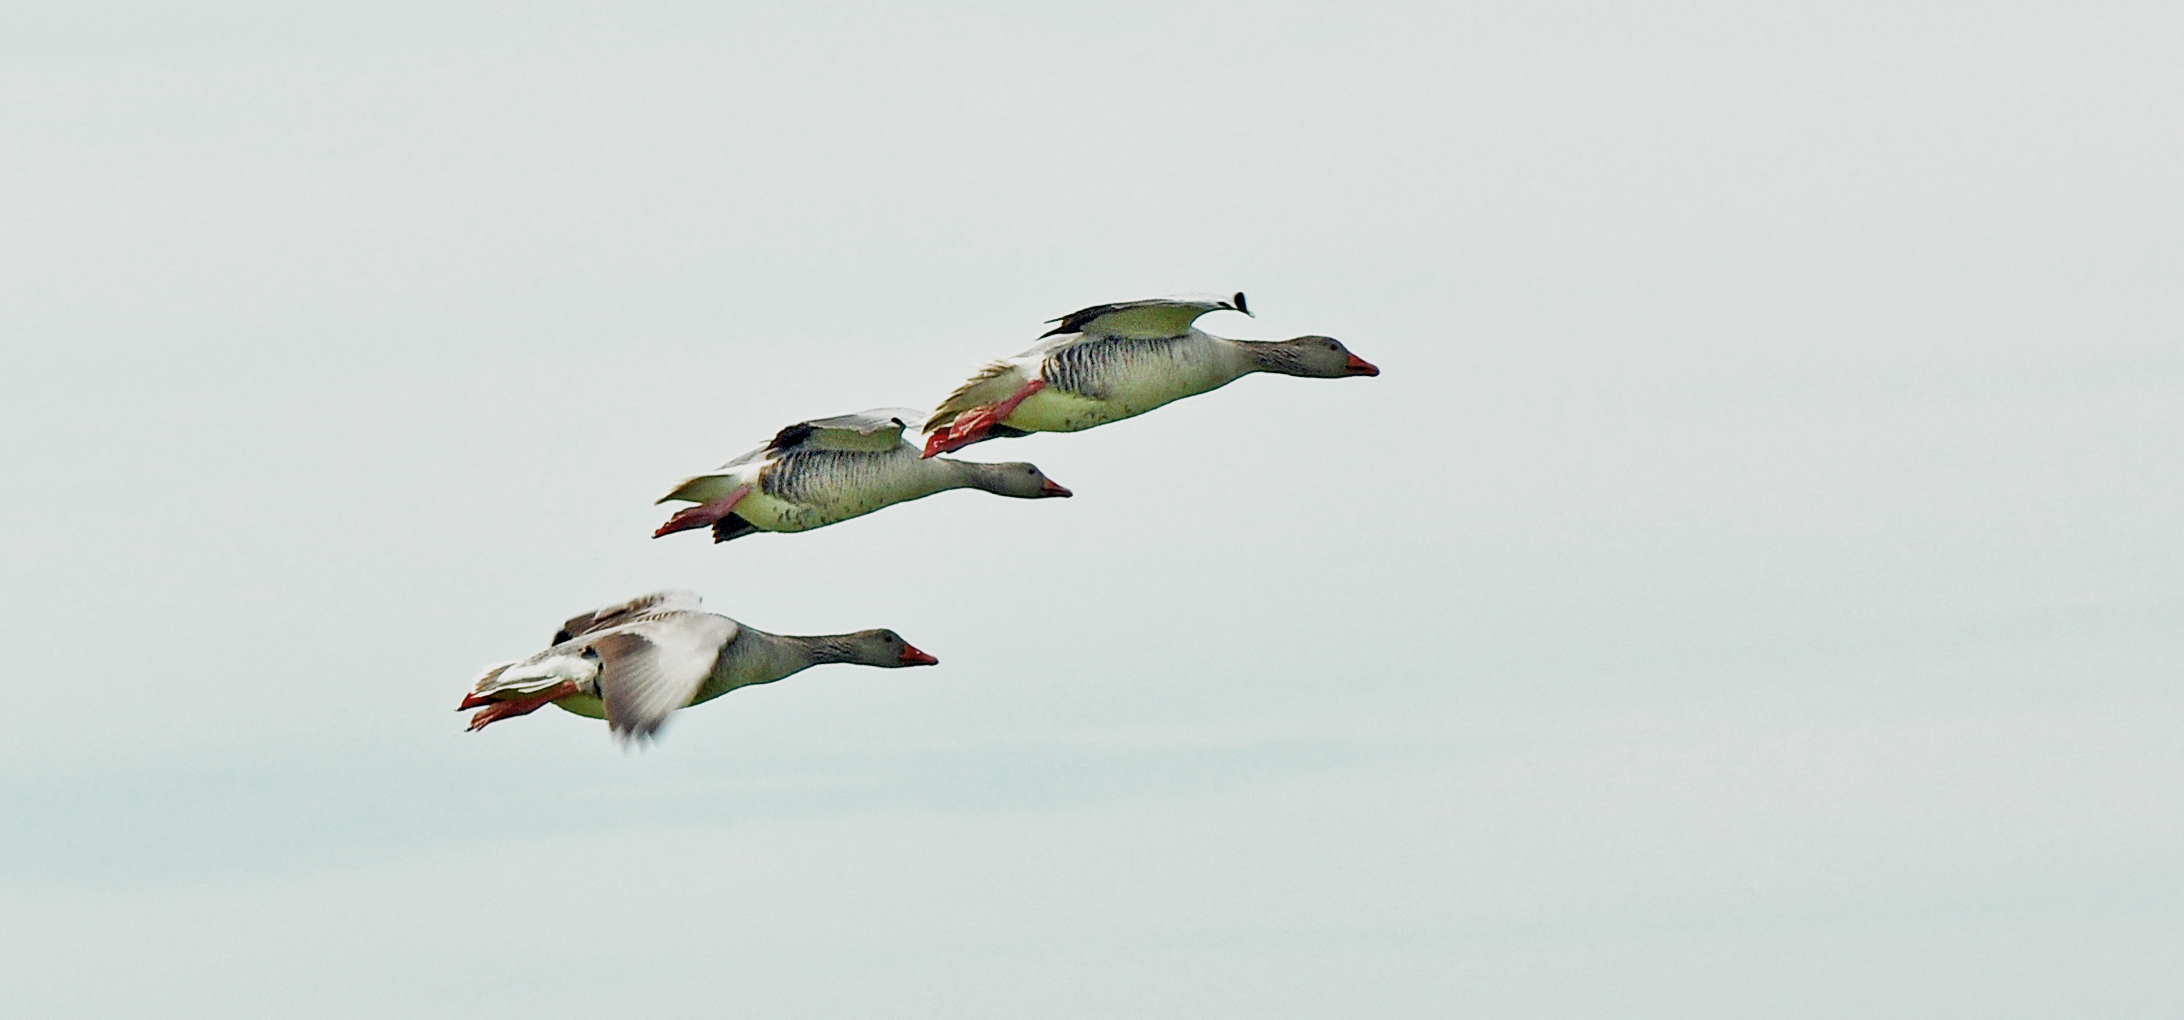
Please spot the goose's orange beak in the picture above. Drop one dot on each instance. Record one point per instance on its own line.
(913, 657)
(1359, 366)
(1051, 489)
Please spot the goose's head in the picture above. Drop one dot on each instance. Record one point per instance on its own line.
(1015, 478)
(1314, 357)
(883, 648)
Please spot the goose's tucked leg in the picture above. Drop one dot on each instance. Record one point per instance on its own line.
(974, 424)
(703, 514)
(496, 711)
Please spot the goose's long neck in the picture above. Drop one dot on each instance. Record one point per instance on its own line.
(950, 473)
(825, 648)
(970, 475)
(915, 478)
(770, 657)
(1264, 356)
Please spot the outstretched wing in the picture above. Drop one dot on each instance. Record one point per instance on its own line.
(649, 669)
(1151, 319)
(876, 431)
(671, 601)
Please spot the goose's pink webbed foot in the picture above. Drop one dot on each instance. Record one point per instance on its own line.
(704, 514)
(973, 425)
(497, 710)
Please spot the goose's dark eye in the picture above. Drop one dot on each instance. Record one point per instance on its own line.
(1333, 346)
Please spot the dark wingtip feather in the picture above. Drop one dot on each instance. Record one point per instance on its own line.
(1240, 305)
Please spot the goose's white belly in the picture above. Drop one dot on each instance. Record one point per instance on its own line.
(773, 514)
(1052, 410)
(1148, 387)
(586, 705)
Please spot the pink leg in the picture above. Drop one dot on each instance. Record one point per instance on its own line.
(972, 425)
(704, 514)
(496, 711)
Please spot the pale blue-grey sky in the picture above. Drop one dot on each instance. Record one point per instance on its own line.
(1752, 589)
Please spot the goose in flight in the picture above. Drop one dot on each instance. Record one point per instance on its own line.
(1110, 362)
(634, 663)
(822, 472)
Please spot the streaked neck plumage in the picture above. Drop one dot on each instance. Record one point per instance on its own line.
(770, 657)
(826, 648)
(1280, 357)
(972, 475)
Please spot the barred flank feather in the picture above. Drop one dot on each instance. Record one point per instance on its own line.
(821, 477)
(1093, 368)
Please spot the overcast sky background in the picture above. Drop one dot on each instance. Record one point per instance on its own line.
(1752, 589)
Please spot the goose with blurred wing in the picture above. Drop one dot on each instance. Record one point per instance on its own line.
(634, 663)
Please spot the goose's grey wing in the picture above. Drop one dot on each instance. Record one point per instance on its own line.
(1151, 319)
(649, 669)
(673, 600)
(877, 430)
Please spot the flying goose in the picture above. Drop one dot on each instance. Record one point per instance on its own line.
(1110, 362)
(822, 472)
(634, 663)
